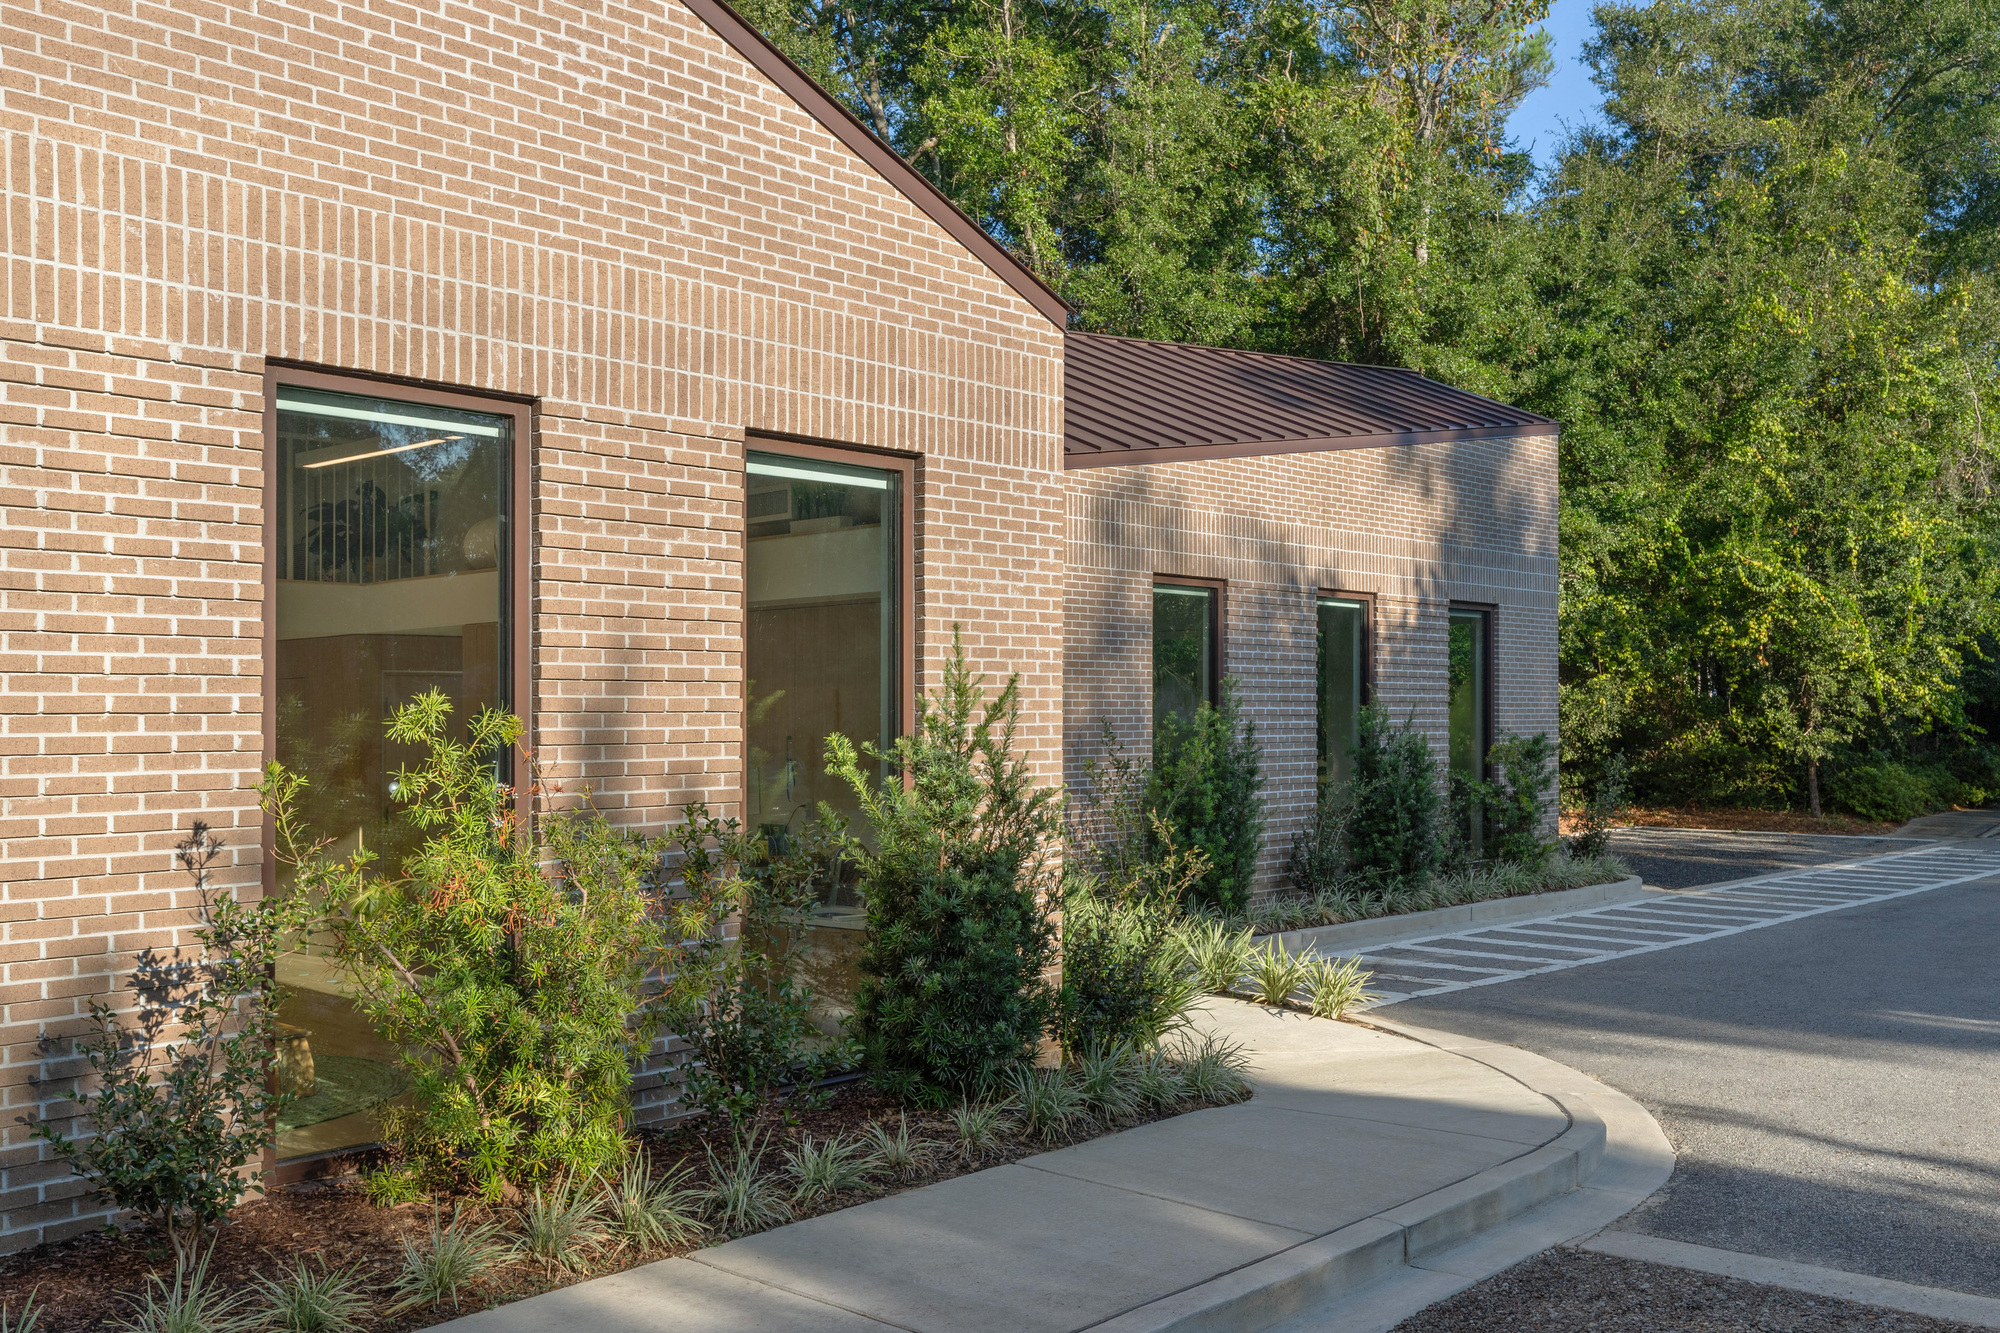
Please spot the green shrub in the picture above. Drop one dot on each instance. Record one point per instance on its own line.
(1608, 796)
(509, 962)
(756, 1031)
(1887, 792)
(177, 1121)
(1516, 801)
(1394, 804)
(959, 935)
(1203, 785)
(1122, 983)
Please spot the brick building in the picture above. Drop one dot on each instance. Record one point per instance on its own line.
(605, 368)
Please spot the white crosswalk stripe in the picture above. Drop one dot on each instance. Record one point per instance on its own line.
(1506, 951)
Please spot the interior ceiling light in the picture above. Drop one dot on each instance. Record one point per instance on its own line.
(377, 453)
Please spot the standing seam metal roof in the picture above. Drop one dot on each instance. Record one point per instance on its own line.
(1130, 400)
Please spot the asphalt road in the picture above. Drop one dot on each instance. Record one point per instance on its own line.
(1687, 859)
(1831, 1085)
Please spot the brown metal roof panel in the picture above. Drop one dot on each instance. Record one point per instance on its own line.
(1132, 398)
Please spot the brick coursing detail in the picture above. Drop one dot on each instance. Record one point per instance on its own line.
(610, 212)
(1419, 527)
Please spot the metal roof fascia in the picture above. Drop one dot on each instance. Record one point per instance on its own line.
(1197, 453)
(753, 46)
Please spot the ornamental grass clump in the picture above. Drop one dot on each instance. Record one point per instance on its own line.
(900, 1154)
(451, 1258)
(646, 1210)
(820, 1171)
(1276, 975)
(314, 1298)
(1335, 986)
(515, 963)
(1052, 1106)
(1215, 953)
(191, 1303)
(562, 1224)
(742, 1197)
(982, 1127)
(957, 885)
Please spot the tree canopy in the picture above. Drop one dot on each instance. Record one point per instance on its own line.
(1758, 294)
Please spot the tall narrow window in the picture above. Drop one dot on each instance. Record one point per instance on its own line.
(1343, 684)
(823, 651)
(389, 540)
(1184, 649)
(1469, 708)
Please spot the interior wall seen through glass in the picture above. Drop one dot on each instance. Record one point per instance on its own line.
(822, 655)
(390, 533)
(1343, 639)
(1183, 649)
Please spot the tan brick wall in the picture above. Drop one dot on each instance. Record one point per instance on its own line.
(1419, 527)
(611, 212)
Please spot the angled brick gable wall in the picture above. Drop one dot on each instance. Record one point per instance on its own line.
(607, 210)
(1416, 526)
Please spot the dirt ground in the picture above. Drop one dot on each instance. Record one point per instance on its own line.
(1576, 1291)
(83, 1285)
(1750, 821)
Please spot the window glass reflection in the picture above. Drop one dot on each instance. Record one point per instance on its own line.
(1343, 629)
(822, 649)
(1183, 650)
(388, 553)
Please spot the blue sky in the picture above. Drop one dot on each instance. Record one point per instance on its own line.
(1571, 98)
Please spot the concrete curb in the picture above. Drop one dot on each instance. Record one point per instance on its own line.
(1361, 1254)
(1444, 920)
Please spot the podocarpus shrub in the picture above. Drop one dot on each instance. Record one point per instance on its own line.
(1204, 785)
(1122, 982)
(516, 964)
(1516, 800)
(958, 933)
(1392, 807)
(183, 1101)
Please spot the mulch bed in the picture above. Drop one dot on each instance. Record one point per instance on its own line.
(1576, 1291)
(81, 1284)
(1742, 821)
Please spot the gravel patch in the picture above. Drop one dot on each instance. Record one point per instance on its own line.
(1560, 1291)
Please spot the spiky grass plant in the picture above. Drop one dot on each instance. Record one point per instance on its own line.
(648, 1211)
(1157, 1081)
(819, 1171)
(1275, 975)
(1334, 986)
(188, 1304)
(1103, 1078)
(25, 1322)
(1215, 953)
(563, 1223)
(453, 1256)
(899, 1154)
(1215, 1068)
(1051, 1105)
(981, 1127)
(741, 1197)
(305, 1298)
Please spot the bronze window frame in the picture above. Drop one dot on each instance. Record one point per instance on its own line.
(516, 602)
(905, 465)
(1218, 627)
(1368, 608)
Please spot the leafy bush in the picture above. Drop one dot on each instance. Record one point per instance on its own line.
(1887, 792)
(1121, 979)
(1607, 798)
(1516, 801)
(755, 1032)
(183, 1102)
(1203, 786)
(1392, 807)
(510, 961)
(958, 933)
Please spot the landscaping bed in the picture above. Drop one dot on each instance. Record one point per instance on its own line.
(1746, 821)
(1300, 911)
(83, 1283)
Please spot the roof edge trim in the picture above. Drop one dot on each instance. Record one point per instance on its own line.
(753, 46)
(1197, 453)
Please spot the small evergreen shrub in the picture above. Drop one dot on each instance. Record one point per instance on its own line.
(1392, 807)
(1204, 786)
(1518, 800)
(516, 964)
(959, 937)
(183, 1104)
(1607, 798)
(1887, 792)
(1121, 979)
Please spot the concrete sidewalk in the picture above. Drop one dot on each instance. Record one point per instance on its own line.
(1360, 1151)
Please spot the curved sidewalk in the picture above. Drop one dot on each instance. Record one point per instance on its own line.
(1362, 1151)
